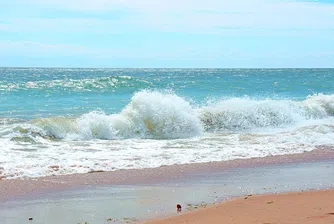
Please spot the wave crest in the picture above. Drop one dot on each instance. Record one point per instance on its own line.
(245, 114)
(159, 115)
(164, 115)
(150, 114)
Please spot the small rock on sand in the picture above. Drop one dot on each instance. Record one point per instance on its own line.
(179, 207)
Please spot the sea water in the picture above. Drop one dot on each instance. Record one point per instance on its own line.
(57, 121)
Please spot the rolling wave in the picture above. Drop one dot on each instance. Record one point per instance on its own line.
(163, 115)
(245, 114)
(79, 85)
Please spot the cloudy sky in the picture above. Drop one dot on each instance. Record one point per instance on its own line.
(167, 33)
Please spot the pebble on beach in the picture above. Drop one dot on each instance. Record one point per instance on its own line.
(179, 207)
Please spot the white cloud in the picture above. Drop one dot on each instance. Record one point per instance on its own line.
(61, 25)
(33, 48)
(4, 27)
(219, 18)
(197, 16)
(258, 14)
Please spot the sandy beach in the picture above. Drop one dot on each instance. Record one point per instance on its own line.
(130, 196)
(12, 188)
(304, 207)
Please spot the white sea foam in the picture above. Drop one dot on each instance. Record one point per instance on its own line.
(158, 115)
(149, 115)
(247, 114)
(161, 128)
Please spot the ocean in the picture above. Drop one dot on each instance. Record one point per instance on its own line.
(56, 121)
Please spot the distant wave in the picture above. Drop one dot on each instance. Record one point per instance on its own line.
(80, 85)
(163, 115)
(7, 121)
(244, 114)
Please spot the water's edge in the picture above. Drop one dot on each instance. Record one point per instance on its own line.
(156, 198)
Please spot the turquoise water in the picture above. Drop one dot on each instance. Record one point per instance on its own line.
(29, 93)
(109, 119)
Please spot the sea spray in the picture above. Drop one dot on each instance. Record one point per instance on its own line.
(246, 114)
(160, 115)
(164, 115)
(150, 114)
(82, 120)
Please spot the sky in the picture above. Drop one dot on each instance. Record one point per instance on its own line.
(167, 33)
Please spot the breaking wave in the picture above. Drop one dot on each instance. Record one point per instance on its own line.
(245, 114)
(164, 115)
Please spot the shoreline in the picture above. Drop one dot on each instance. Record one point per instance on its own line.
(17, 188)
(294, 207)
(151, 195)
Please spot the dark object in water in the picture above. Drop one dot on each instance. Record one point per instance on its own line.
(179, 208)
(30, 219)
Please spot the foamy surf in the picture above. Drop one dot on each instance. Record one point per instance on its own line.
(161, 128)
(56, 121)
(164, 115)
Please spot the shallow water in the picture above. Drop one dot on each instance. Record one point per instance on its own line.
(143, 202)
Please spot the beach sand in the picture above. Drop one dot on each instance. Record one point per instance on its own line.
(304, 207)
(149, 194)
(13, 188)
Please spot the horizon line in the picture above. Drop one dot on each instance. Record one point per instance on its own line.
(65, 67)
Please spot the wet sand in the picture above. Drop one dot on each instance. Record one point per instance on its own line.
(13, 188)
(132, 195)
(304, 207)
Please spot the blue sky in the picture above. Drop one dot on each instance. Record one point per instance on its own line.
(167, 33)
